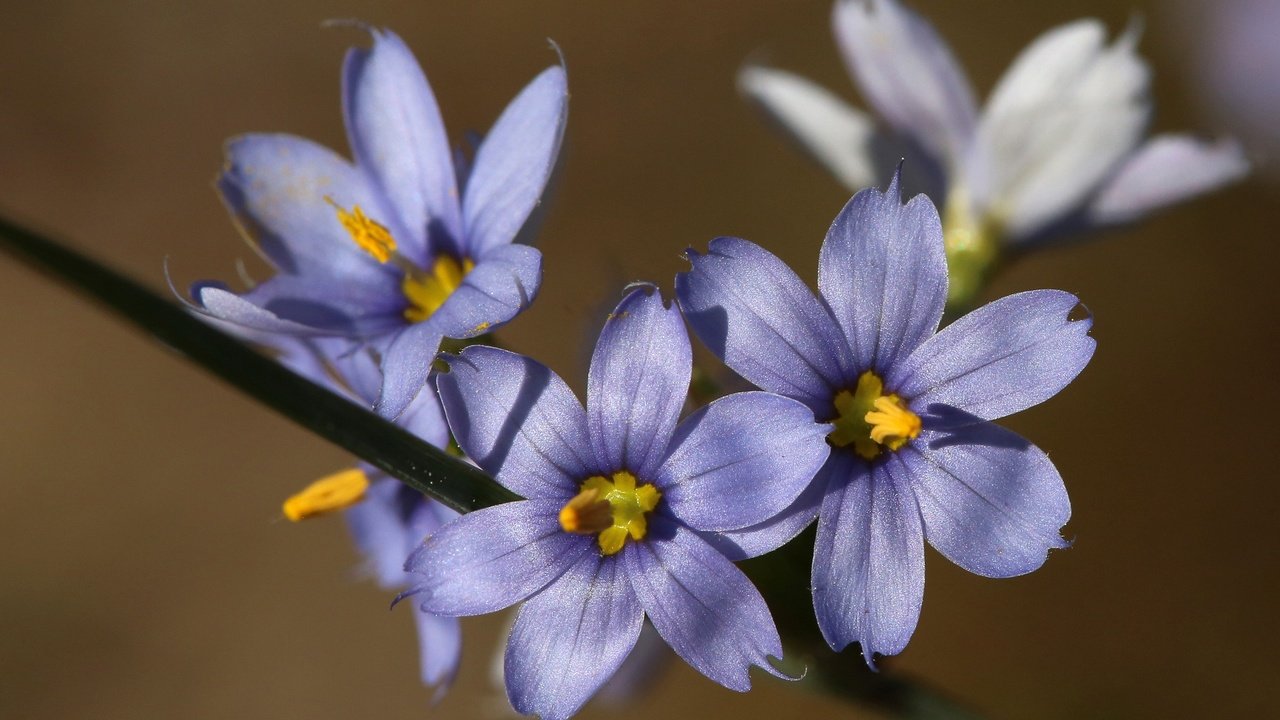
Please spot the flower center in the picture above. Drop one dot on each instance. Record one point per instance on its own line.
(613, 509)
(426, 292)
(334, 492)
(972, 249)
(870, 420)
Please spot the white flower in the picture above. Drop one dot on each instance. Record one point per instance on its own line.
(1059, 147)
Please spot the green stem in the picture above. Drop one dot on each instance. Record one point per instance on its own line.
(397, 452)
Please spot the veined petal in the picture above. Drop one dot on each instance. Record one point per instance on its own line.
(570, 638)
(518, 420)
(1167, 169)
(358, 310)
(380, 529)
(1062, 118)
(439, 649)
(883, 271)
(758, 316)
(504, 282)
(868, 560)
(701, 604)
(425, 417)
(741, 460)
(398, 136)
(992, 502)
(1004, 357)
(275, 186)
(909, 74)
(637, 384)
(493, 558)
(514, 162)
(406, 368)
(221, 304)
(836, 135)
(767, 536)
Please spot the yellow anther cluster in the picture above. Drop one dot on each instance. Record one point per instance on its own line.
(615, 509)
(372, 236)
(426, 293)
(870, 420)
(334, 492)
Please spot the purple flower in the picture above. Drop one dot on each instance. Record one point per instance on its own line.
(400, 248)
(913, 456)
(387, 519)
(619, 498)
(1059, 147)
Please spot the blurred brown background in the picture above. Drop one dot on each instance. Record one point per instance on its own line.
(144, 573)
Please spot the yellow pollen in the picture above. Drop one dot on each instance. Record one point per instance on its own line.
(615, 509)
(870, 420)
(426, 293)
(334, 492)
(372, 236)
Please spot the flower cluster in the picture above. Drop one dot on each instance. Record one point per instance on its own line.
(870, 419)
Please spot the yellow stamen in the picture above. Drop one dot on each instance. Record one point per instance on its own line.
(614, 508)
(891, 423)
(334, 492)
(870, 420)
(372, 236)
(426, 293)
(586, 513)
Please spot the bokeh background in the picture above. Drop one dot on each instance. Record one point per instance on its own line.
(144, 571)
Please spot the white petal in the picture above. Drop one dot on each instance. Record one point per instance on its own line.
(1066, 113)
(1165, 170)
(908, 74)
(836, 135)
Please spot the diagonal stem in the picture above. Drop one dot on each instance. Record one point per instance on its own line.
(397, 452)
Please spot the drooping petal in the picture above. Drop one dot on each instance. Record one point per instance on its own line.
(1004, 357)
(359, 310)
(514, 162)
(398, 136)
(836, 135)
(992, 502)
(883, 271)
(767, 536)
(758, 316)
(518, 420)
(570, 638)
(637, 384)
(701, 604)
(504, 282)
(1167, 169)
(425, 417)
(1062, 118)
(741, 460)
(406, 368)
(223, 305)
(908, 73)
(490, 559)
(868, 560)
(439, 649)
(278, 188)
(380, 529)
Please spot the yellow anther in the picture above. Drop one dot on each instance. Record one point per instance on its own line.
(334, 492)
(586, 513)
(426, 293)
(614, 508)
(869, 420)
(891, 423)
(372, 236)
